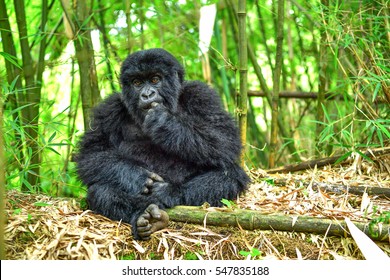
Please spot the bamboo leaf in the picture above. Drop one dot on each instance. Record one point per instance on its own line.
(12, 59)
(52, 136)
(343, 157)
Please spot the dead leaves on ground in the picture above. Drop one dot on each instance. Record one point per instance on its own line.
(41, 227)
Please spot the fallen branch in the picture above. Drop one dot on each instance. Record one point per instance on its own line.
(309, 95)
(325, 161)
(251, 220)
(292, 94)
(340, 189)
(358, 190)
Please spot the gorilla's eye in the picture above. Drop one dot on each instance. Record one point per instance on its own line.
(155, 79)
(137, 82)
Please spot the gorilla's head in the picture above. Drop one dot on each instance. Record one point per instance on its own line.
(149, 76)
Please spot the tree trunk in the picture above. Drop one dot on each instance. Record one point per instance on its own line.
(78, 16)
(30, 115)
(13, 73)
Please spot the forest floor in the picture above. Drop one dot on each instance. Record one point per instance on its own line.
(42, 227)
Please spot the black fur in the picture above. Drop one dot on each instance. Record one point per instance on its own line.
(188, 140)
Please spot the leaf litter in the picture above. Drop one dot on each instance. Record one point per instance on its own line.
(42, 227)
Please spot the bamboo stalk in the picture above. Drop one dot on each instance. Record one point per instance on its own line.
(322, 61)
(252, 220)
(264, 35)
(130, 42)
(243, 58)
(30, 114)
(276, 83)
(2, 183)
(12, 77)
(263, 84)
(89, 88)
(103, 30)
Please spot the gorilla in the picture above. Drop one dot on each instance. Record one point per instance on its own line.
(161, 142)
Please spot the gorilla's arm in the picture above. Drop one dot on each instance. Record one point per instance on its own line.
(99, 159)
(118, 187)
(202, 132)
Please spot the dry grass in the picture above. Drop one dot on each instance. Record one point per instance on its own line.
(41, 227)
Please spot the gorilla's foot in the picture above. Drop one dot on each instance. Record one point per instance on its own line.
(152, 220)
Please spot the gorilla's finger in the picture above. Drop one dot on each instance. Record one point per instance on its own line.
(145, 190)
(145, 236)
(151, 207)
(146, 216)
(149, 182)
(153, 176)
(156, 177)
(142, 221)
(144, 229)
(154, 211)
(164, 218)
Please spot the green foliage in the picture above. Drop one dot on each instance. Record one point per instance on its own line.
(129, 257)
(228, 203)
(376, 219)
(270, 181)
(254, 253)
(53, 179)
(352, 132)
(190, 256)
(153, 256)
(83, 203)
(356, 115)
(12, 59)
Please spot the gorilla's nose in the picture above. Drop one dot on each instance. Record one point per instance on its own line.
(149, 95)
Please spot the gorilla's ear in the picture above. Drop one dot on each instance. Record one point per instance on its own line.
(180, 75)
(179, 79)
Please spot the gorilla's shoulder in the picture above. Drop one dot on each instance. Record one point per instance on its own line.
(110, 111)
(199, 93)
(110, 106)
(196, 87)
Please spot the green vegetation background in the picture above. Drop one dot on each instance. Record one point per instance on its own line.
(337, 50)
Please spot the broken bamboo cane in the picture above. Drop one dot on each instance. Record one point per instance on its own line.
(251, 220)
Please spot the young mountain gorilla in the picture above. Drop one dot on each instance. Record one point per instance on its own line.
(161, 142)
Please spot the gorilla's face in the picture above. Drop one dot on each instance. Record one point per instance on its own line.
(148, 90)
(151, 76)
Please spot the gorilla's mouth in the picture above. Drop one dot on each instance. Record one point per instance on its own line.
(149, 105)
(146, 107)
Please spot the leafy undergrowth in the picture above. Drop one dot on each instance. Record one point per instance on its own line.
(42, 227)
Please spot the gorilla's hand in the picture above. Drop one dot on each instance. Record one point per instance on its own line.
(155, 118)
(153, 181)
(152, 220)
